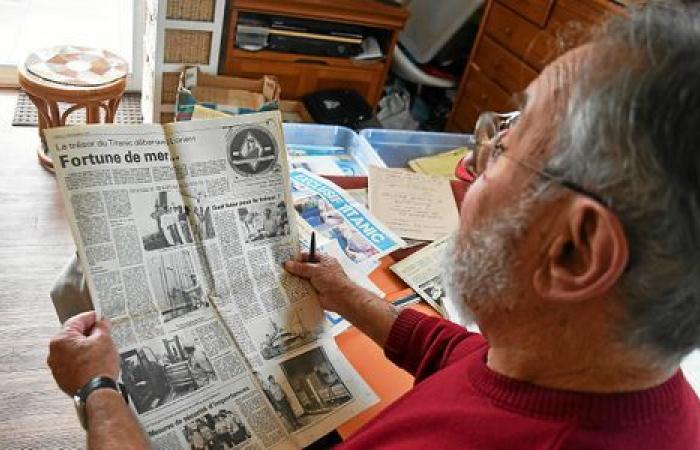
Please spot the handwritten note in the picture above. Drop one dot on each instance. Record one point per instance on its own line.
(413, 205)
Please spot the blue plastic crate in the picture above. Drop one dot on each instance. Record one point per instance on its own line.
(396, 148)
(332, 136)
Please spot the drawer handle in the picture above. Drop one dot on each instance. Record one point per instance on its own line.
(484, 97)
(508, 31)
(311, 61)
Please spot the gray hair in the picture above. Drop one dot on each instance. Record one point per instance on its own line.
(631, 133)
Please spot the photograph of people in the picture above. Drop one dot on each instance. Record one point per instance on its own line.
(154, 375)
(280, 401)
(264, 221)
(221, 431)
(164, 222)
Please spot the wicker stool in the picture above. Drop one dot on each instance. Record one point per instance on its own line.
(78, 76)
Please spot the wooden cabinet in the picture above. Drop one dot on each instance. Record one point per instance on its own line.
(516, 40)
(300, 74)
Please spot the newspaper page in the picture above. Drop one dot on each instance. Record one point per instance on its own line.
(421, 271)
(336, 215)
(182, 230)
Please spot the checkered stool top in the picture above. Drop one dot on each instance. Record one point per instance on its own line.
(76, 66)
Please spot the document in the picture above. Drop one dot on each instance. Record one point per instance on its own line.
(413, 205)
(182, 230)
(421, 271)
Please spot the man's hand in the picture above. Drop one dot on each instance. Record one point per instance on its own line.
(81, 351)
(327, 276)
(337, 293)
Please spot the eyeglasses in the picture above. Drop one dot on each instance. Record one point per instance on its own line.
(488, 134)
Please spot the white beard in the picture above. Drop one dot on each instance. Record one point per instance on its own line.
(477, 268)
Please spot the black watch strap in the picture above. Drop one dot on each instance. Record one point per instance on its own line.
(99, 383)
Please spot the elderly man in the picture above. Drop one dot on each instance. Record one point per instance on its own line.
(577, 255)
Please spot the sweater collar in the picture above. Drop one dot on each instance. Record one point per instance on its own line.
(591, 409)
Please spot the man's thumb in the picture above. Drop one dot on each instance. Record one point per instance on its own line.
(299, 269)
(102, 327)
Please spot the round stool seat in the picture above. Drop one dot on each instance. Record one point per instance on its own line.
(78, 76)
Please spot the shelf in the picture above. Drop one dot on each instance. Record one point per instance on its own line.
(316, 61)
(360, 12)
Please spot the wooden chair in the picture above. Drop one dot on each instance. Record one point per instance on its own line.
(81, 77)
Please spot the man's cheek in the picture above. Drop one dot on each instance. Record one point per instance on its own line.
(473, 205)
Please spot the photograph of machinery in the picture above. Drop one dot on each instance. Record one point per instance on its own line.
(155, 375)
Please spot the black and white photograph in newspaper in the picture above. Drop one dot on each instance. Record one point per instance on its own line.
(216, 430)
(434, 291)
(266, 220)
(306, 389)
(176, 283)
(277, 335)
(324, 219)
(164, 221)
(165, 369)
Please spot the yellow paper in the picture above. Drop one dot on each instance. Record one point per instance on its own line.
(440, 165)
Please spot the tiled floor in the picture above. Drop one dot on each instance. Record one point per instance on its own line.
(26, 25)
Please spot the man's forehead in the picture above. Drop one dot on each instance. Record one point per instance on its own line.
(555, 81)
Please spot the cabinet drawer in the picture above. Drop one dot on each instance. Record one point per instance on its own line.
(525, 40)
(501, 66)
(537, 11)
(485, 94)
(464, 115)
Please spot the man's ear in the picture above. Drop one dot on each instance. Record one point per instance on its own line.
(586, 257)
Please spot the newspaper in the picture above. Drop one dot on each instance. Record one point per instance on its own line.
(421, 271)
(337, 216)
(182, 230)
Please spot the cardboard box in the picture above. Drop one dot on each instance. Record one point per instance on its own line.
(294, 112)
(232, 95)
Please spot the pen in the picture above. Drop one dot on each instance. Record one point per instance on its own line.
(312, 248)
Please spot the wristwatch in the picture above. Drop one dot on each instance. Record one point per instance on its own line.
(80, 398)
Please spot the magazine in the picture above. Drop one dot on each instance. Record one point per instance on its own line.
(182, 230)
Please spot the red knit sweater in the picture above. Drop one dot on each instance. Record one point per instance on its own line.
(459, 403)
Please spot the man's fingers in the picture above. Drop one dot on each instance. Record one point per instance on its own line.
(101, 328)
(82, 323)
(299, 269)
